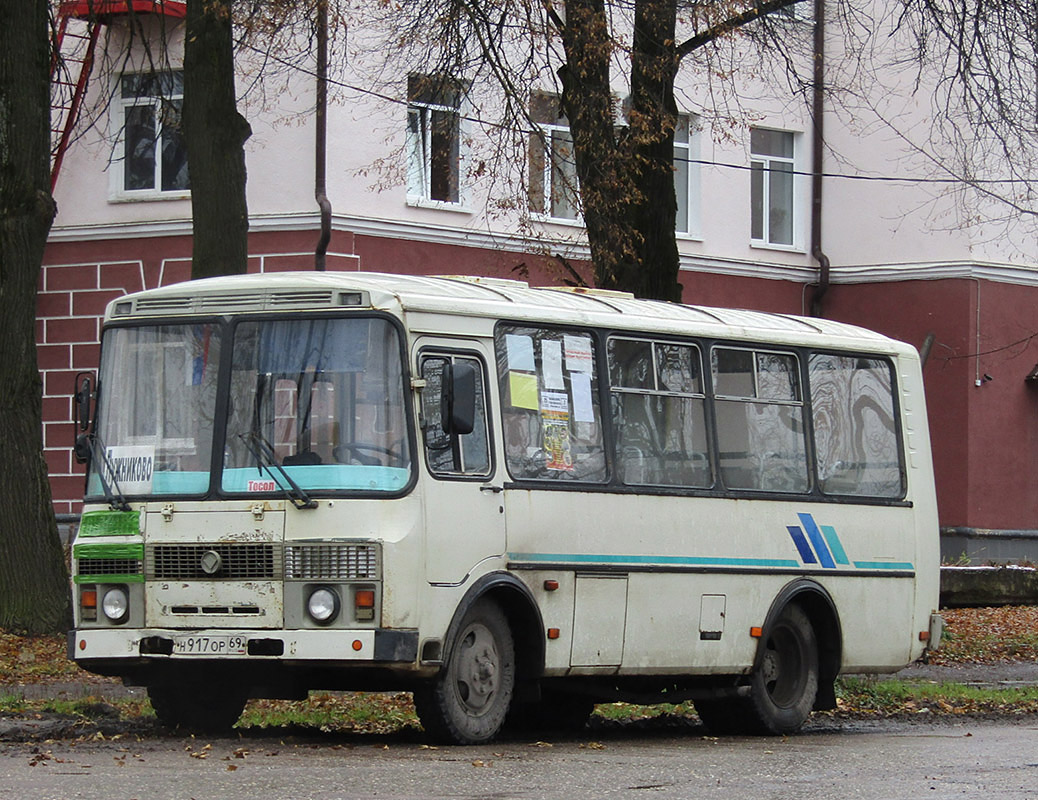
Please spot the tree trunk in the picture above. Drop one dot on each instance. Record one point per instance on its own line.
(215, 134)
(653, 116)
(626, 176)
(34, 595)
(587, 100)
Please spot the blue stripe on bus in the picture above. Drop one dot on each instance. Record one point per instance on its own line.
(806, 553)
(835, 544)
(815, 535)
(697, 561)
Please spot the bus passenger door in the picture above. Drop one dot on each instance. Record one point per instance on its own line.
(464, 522)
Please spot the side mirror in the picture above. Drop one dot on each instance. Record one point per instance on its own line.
(83, 401)
(458, 398)
(83, 413)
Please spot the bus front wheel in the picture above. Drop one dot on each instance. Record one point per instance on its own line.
(469, 700)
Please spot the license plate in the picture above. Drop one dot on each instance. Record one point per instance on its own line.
(210, 645)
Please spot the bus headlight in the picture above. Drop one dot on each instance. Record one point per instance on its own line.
(323, 605)
(116, 605)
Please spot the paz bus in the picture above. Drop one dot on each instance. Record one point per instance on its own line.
(514, 502)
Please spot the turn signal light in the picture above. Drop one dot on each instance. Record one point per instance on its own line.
(364, 604)
(88, 604)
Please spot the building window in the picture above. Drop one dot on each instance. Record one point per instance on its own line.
(154, 155)
(771, 186)
(553, 187)
(433, 138)
(686, 175)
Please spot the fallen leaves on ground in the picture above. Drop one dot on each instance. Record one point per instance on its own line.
(988, 635)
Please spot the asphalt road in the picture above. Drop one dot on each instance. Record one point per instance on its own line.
(878, 761)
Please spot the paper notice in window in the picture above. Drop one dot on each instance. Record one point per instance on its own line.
(583, 408)
(523, 390)
(520, 352)
(578, 354)
(551, 364)
(555, 403)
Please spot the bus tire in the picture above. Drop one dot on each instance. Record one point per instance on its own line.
(782, 687)
(197, 707)
(784, 684)
(469, 700)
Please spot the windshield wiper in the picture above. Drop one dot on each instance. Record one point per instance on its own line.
(266, 458)
(113, 494)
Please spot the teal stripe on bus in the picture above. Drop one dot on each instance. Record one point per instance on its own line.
(692, 561)
(888, 565)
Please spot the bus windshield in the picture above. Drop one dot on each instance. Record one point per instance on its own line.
(313, 405)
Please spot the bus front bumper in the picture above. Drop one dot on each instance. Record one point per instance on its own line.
(367, 645)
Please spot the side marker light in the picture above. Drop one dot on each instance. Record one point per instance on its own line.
(756, 632)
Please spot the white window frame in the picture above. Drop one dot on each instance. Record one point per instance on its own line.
(557, 197)
(117, 182)
(688, 225)
(567, 190)
(420, 153)
(766, 164)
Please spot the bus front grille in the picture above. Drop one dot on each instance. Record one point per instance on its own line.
(102, 567)
(331, 562)
(223, 561)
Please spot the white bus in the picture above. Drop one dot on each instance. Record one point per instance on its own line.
(513, 501)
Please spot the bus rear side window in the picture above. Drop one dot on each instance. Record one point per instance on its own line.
(852, 407)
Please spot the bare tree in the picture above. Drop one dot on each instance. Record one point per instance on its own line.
(33, 583)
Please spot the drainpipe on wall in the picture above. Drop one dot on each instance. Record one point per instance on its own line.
(818, 143)
(321, 143)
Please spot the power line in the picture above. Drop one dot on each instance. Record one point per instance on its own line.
(697, 161)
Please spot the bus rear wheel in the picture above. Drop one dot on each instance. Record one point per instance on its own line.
(469, 700)
(783, 687)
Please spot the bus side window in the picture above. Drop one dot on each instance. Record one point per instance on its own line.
(658, 411)
(760, 420)
(551, 418)
(452, 453)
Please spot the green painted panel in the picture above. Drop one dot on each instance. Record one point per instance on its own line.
(110, 523)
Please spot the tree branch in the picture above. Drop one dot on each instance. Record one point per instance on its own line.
(759, 9)
(553, 16)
